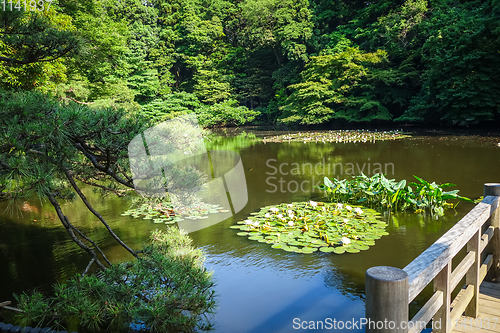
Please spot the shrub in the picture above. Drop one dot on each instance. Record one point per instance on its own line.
(166, 290)
(225, 113)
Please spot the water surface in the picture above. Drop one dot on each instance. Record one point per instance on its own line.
(261, 289)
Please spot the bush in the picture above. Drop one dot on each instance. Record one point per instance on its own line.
(178, 104)
(166, 290)
(171, 106)
(225, 113)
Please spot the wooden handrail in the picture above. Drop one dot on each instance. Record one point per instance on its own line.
(426, 266)
(435, 265)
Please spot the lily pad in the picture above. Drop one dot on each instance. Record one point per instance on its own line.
(163, 212)
(306, 227)
(327, 249)
(339, 250)
(338, 136)
(309, 249)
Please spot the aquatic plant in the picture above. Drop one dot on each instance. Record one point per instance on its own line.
(164, 212)
(378, 191)
(306, 227)
(339, 136)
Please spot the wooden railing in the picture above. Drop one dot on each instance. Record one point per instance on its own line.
(389, 290)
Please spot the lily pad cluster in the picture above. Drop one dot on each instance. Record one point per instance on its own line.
(307, 227)
(338, 136)
(164, 212)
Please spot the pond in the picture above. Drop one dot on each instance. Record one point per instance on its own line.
(261, 289)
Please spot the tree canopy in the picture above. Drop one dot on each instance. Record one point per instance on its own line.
(404, 61)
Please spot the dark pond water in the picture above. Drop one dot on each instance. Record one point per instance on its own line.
(262, 289)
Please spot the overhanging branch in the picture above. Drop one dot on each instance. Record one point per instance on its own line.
(69, 229)
(89, 206)
(101, 167)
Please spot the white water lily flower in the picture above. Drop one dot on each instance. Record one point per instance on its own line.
(290, 205)
(291, 216)
(349, 208)
(291, 224)
(290, 211)
(346, 220)
(346, 240)
(358, 210)
(323, 208)
(248, 222)
(274, 209)
(280, 216)
(256, 224)
(339, 206)
(314, 204)
(267, 215)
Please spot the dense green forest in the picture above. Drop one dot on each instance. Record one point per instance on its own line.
(264, 61)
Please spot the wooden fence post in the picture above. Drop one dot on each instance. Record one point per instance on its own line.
(442, 316)
(387, 298)
(494, 189)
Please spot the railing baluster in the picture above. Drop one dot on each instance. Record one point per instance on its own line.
(472, 276)
(442, 283)
(494, 189)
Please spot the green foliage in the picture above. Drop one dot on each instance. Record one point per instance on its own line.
(294, 61)
(378, 191)
(99, 73)
(32, 46)
(461, 68)
(40, 137)
(226, 113)
(306, 227)
(171, 106)
(166, 290)
(143, 76)
(336, 86)
(211, 87)
(278, 24)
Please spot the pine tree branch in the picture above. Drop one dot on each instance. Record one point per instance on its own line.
(88, 266)
(119, 193)
(89, 207)
(101, 167)
(91, 242)
(69, 229)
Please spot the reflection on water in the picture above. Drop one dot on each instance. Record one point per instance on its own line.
(263, 289)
